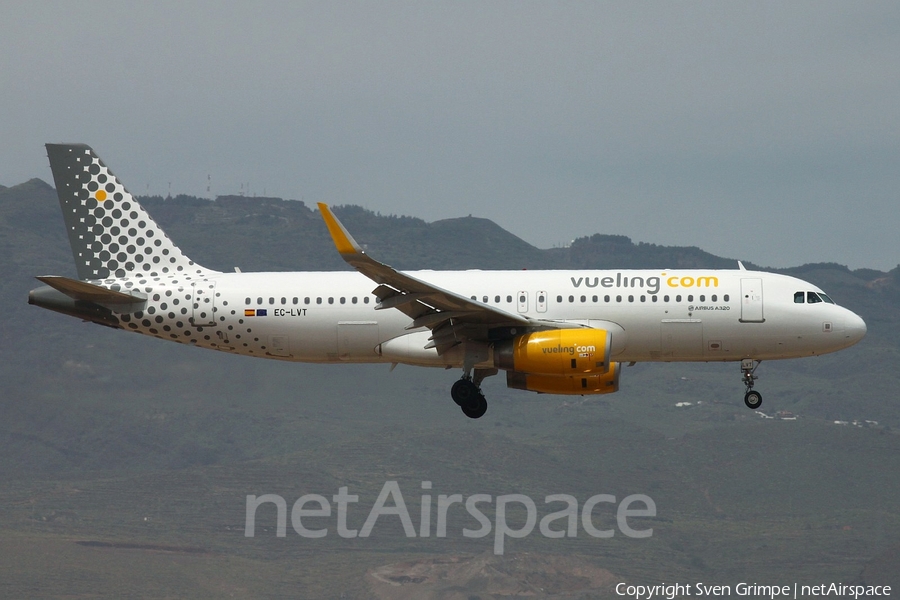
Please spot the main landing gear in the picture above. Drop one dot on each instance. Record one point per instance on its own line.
(466, 392)
(752, 398)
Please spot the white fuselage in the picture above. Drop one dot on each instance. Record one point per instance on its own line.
(557, 332)
(654, 315)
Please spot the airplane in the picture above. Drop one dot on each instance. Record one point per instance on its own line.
(551, 331)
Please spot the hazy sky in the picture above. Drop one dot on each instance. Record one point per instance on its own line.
(765, 131)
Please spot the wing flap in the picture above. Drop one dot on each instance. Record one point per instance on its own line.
(432, 320)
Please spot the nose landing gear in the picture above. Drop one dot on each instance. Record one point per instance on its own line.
(752, 398)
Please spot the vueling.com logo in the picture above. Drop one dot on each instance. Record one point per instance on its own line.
(652, 284)
(570, 350)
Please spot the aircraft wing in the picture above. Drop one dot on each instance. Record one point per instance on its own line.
(451, 316)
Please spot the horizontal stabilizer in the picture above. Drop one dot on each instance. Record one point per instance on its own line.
(88, 292)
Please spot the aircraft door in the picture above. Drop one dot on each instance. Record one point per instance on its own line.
(522, 300)
(203, 303)
(752, 301)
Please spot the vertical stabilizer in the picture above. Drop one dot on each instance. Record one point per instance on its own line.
(110, 233)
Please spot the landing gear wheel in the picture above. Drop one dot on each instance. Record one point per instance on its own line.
(476, 408)
(753, 399)
(464, 392)
(469, 398)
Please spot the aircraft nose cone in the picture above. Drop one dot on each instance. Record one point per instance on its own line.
(855, 327)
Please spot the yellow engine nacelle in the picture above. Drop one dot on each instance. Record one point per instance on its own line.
(556, 352)
(606, 383)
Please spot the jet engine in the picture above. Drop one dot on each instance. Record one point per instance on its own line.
(559, 361)
(556, 352)
(606, 383)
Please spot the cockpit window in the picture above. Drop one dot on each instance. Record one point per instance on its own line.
(811, 298)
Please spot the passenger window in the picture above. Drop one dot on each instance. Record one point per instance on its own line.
(271, 300)
(296, 300)
(259, 300)
(583, 299)
(606, 298)
(631, 298)
(799, 297)
(247, 301)
(343, 300)
(725, 297)
(497, 299)
(571, 298)
(283, 300)
(559, 298)
(812, 298)
(306, 300)
(703, 298)
(330, 300)
(665, 298)
(690, 297)
(714, 297)
(319, 300)
(594, 299)
(509, 299)
(678, 298)
(618, 298)
(365, 299)
(353, 300)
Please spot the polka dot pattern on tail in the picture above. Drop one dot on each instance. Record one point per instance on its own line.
(112, 236)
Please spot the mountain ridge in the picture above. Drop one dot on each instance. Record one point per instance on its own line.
(181, 215)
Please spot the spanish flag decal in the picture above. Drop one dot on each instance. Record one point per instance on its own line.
(249, 312)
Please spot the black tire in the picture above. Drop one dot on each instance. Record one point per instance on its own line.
(753, 399)
(463, 392)
(475, 409)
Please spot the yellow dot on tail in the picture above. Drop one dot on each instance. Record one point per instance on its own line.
(100, 195)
